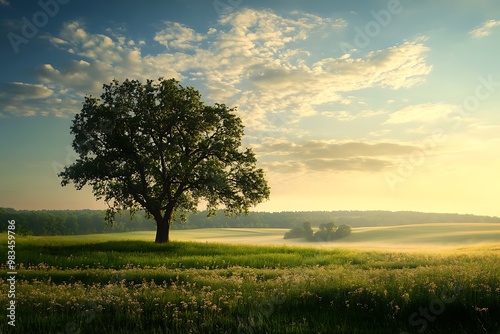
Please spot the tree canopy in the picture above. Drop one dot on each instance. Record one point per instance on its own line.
(326, 232)
(158, 147)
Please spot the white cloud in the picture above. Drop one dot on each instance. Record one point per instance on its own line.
(400, 66)
(351, 164)
(257, 60)
(178, 36)
(4, 2)
(379, 133)
(345, 116)
(22, 99)
(298, 89)
(425, 112)
(55, 40)
(26, 91)
(485, 29)
(284, 156)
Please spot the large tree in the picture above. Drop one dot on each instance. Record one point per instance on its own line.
(158, 147)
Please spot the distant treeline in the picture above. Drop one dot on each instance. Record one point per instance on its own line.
(290, 219)
(67, 222)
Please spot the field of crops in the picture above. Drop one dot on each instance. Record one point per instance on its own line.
(105, 284)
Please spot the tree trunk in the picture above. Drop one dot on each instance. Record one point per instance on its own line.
(162, 230)
(163, 224)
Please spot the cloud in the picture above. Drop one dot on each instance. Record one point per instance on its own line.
(352, 164)
(283, 156)
(379, 133)
(425, 112)
(97, 59)
(26, 91)
(299, 89)
(79, 75)
(346, 116)
(254, 59)
(4, 2)
(485, 29)
(327, 165)
(178, 36)
(22, 99)
(283, 167)
(329, 149)
(399, 66)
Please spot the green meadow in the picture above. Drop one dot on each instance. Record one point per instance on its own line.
(431, 278)
(409, 237)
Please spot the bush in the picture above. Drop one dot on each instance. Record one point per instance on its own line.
(326, 232)
(304, 231)
(343, 231)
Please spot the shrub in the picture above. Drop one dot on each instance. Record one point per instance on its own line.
(326, 232)
(304, 231)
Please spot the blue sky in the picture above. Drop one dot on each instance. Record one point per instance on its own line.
(390, 105)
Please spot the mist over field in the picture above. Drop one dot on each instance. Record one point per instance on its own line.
(422, 237)
(426, 237)
(68, 222)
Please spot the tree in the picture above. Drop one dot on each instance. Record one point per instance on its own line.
(326, 232)
(343, 231)
(304, 231)
(308, 231)
(156, 146)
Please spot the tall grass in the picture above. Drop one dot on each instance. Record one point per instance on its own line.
(97, 285)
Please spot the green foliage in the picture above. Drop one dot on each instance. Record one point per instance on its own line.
(157, 147)
(296, 232)
(97, 285)
(343, 231)
(304, 231)
(326, 232)
(71, 222)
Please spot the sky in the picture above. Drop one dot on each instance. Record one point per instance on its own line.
(348, 105)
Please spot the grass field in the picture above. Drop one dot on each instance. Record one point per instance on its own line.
(219, 281)
(409, 237)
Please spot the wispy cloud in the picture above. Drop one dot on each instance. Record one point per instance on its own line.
(22, 99)
(283, 156)
(257, 60)
(4, 2)
(485, 29)
(331, 149)
(178, 36)
(379, 133)
(347, 116)
(18, 89)
(426, 113)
